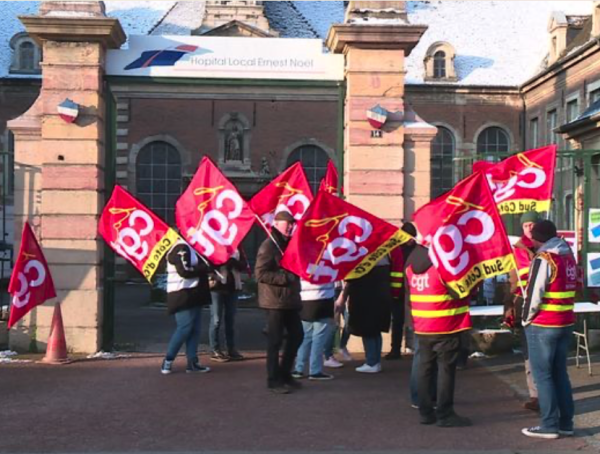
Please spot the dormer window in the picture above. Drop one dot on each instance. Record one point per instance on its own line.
(439, 62)
(439, 65)
(26, 55)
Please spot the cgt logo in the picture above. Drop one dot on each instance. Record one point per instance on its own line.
(341, 248)
(215, 227)
(531, 177)
(450, 242)
(130, 242)
(420, 282)
(32, 276)
(572, 272)
(294, 201)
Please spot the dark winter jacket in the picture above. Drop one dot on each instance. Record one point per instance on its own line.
(187, 279)
(277, 288)
(370, 302)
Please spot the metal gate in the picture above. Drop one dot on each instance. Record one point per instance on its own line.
(6, 221)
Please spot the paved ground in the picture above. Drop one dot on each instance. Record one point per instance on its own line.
(126, 405)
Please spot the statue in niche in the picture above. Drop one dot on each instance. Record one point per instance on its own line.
(233, 144)
(265, 170)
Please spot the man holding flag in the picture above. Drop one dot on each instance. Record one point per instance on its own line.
(279, 295)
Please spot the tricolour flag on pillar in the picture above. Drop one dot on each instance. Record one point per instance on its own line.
(522, 182)
(135, 233)
(30, 283)
(290, 192)
(465, 234)
(336, 240)
(330, 182)
(211, 214)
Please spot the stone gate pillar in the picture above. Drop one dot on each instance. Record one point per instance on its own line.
(60, 168)
(387, 175)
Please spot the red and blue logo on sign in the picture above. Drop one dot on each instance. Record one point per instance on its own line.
(165, 57)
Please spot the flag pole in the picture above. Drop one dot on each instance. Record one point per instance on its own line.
(266, 229)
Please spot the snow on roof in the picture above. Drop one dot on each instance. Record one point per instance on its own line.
(136, 17)
(496, 42)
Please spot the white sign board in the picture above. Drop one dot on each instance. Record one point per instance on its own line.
(594, 226)
(593, 269)
(225, 58)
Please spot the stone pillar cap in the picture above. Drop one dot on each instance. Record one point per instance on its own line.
(374, 36)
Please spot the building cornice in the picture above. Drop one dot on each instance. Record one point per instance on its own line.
(401, 37)
(105, 30)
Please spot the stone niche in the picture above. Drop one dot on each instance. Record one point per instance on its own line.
(234, 144)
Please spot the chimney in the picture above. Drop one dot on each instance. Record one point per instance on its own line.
(558, 27)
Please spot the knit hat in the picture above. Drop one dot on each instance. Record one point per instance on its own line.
(409, 228)
(284, 216)
(530, 216)
(543, 231)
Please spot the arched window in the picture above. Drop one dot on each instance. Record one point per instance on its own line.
(26, 55)
(442, 169)
(439, 65)
(158, 178)
(493, 141)
(314, 160)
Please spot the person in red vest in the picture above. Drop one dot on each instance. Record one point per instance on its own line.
(548, 318)
(524, 253)
(397, 285)
(439, 317)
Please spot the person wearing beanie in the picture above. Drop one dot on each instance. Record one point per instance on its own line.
(548, 319)
(279, 295)
(524, 252)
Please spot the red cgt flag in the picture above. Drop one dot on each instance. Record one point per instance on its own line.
(290, 191)
(31, 283)
(330, 182)
(522, 182)
(211, 214)
(135, 233)
(336, 240)
(467, 239)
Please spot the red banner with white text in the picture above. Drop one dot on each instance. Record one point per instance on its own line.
(135, 233)
(466, 237)
(211, 214)
(336, 240)
(290, 192)
(30, 283)
(522, 182)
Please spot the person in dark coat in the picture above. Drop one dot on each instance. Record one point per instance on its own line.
(369, 305)
(279, 295)
(187, 292)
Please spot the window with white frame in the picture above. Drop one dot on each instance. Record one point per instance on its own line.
(534, 130)
(439, 62)
(572, 109)
(26, 55)
(493, 141)
(158, 178)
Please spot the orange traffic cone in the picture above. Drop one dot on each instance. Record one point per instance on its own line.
(56, 351)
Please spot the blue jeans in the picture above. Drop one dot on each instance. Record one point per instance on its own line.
(343, 338)
(315, 336)
(188, 331)
(372, 346)
(548, 349)
(223, 307)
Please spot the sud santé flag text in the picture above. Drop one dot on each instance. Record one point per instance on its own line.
(465, 234)
(135, 233)
(522, 182)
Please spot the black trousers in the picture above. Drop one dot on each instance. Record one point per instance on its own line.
(442, 350)
(397, 324)
(279, 370)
